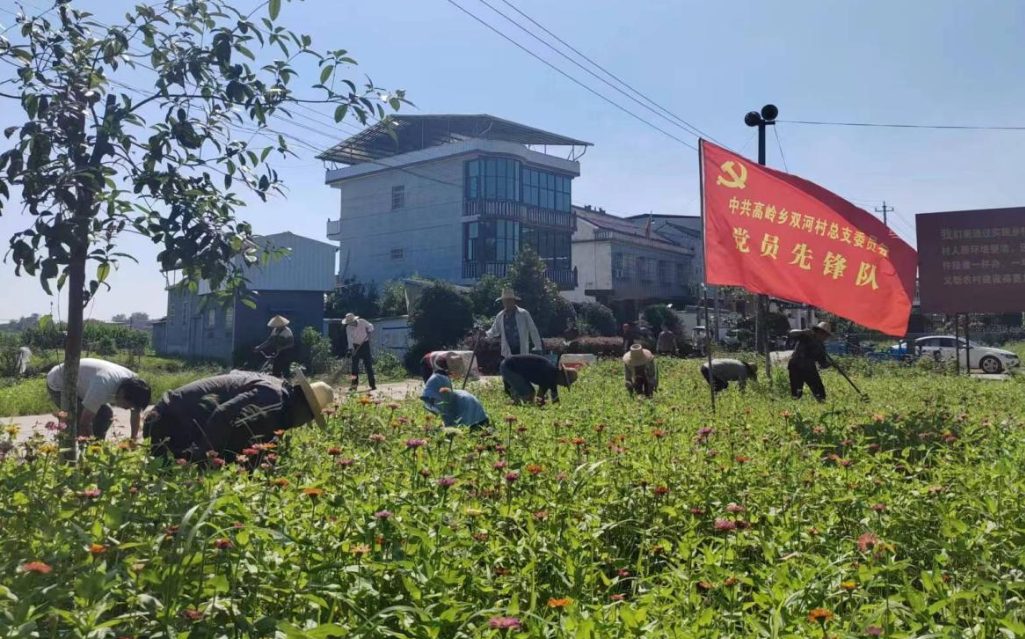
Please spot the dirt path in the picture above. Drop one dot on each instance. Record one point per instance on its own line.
(29, 425)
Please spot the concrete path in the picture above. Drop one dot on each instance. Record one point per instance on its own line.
(32, 424)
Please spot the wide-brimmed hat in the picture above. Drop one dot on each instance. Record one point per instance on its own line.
(508, 294)
(319, 395)
(349, 319)
(637, 356)
(278, 321)
(824, 327)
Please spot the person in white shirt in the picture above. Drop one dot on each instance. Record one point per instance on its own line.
(358, 332)
(100, 384)
(515, 327)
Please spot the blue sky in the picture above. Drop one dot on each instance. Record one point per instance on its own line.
(935, 62)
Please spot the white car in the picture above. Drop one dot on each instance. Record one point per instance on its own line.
(989, 360)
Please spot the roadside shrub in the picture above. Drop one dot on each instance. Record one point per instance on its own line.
(317, 356)
(9, 345)
(595, 320)
(440, 318)
(106, 346)
(563, 317)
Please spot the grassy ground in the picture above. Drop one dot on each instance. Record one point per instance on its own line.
(29, 396)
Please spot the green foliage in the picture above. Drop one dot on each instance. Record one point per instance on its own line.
(779, 325)
(354, 297)
(564, 317)
(440, 318)
(659, 315)
(393, 299)
(106, 346)
(650, 518)
(9, 345)
(526, 276)
(596, 320)
(318, 357)
(484, 295)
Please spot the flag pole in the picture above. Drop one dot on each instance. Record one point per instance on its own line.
(704, 286)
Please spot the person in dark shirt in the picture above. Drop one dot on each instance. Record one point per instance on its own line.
(521, 372)
(279, 345)
(224, 414)
(809, 354)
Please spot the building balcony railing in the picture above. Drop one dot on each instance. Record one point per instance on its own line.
(530, 215)
(564, 278)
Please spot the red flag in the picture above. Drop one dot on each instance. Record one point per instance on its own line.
(778, 234)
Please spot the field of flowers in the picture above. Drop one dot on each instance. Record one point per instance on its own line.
(600, 517)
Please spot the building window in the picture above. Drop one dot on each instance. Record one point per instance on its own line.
(211, 318)
(619, 270)
(552, 246)
(681, 274)
(398, 197)
(547, 190)
(663, 272)
(229, 319)
(493, 179)
(644, 269)
(398, 254)
(491, 241)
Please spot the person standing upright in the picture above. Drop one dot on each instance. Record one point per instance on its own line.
(666, 344)
(358, 332)
(809, 354)
(279, 345)
(515, 327)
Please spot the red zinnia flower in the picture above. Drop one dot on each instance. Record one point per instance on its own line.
(192, 614)
(735, 508)
(415, 443)
(867, 541)
(535, 469)
(512, 476)
(345, 462)
(659, 433)
(741, 459)
(377, 438)
(623, 573)
(223, 544)
(250, 452)
(560, 602)
(446, 482)
(879, 507)
(697, 511)
(37, 567)
(660, 490)
(96, 549)
(90, 493)
(821, 615)
(541, 515)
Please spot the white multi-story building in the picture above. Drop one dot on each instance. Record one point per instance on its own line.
(452, 197)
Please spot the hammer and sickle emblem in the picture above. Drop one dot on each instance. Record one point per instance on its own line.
(737, 180)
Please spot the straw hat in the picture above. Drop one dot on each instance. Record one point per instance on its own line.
(455, 363)
(349, 319)
(637, 356)
(319, 395)
(825, 328)
(508, 294)
(278, 321)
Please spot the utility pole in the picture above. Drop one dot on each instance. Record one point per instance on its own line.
(884, 210)
(767, 117)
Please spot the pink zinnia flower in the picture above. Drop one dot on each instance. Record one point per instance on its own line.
(446, 482)
(415, 443)
(867, 541)
(377, 438)
(345, 462)
(499, 465)
(697, 511)
(90, 493)
(504, 623)
(383, 514)
(724, 525)
(512, 476)
(874, 631)
(879, 507)
(735, 508)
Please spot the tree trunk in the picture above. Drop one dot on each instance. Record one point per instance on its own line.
(73, 349)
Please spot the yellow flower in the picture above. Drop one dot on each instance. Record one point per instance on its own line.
(848, 585)
(473, 512)
(360, 549)
(560, 602)
(821, 615)
(47, 449)
(12, 430)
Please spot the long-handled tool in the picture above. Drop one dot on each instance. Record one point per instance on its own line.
(473, 355)
(833, 363)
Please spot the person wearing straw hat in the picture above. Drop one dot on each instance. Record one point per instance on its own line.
(521, 372)
(225, 414)
(724, 371)
(641, 371)
(279, 345)
(456, 407)
(809, 355)
(515, 327)
(358, 332)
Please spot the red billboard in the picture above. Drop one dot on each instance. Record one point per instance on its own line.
(972, 261)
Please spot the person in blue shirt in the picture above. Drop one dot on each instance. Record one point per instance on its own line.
(455, 407)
